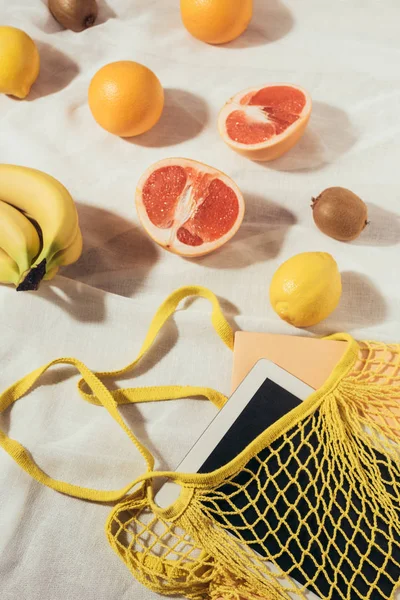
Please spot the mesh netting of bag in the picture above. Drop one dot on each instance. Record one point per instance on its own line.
(317, 509)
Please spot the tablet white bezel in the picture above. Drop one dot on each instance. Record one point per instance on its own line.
(224, 419)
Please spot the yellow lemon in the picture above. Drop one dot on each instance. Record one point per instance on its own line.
(306, 288)
(19, 62)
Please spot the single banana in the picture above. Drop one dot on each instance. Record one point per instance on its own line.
(18, 237)
(49, 203)
(51, 273)
(69, 255)
(9, 272)
(65, 257)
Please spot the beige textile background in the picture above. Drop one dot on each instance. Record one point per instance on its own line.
(346, 53)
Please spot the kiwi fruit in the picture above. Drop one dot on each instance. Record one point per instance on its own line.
(76, 15)
(340, 213)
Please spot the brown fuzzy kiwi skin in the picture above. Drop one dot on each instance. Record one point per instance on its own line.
(340, 214)
(75, 15)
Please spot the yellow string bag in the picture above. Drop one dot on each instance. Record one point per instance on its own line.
(312, 504)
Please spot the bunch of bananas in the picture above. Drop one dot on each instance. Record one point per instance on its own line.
(39, 228)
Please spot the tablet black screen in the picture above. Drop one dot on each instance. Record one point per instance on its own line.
(269, 403)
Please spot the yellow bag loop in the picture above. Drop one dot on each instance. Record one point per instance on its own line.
(167, 308)
(100, 395)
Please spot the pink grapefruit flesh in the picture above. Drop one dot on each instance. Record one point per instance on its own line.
(264, 123)
(188, 207)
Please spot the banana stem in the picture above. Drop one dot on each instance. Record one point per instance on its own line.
(32, 280)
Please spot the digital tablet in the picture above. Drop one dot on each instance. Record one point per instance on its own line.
(266, 394)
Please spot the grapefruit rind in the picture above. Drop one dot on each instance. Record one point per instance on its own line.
(168, 237)
(278, 144)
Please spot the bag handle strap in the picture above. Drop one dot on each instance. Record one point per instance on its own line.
(99, 394)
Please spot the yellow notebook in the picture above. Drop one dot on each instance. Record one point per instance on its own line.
(310, 359)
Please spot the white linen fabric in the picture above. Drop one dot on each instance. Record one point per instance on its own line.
(347, 55)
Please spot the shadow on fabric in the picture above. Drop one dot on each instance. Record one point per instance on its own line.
(361, 305)
(57, 71)
(259, 238)
(105, 12)
(383, 228)
(271, 21)
(328, 136)
(83, 303)
(117, 255)
(184, 117)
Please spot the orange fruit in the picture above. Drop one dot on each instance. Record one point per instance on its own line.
(126, 98)
(264, 123)
(188, 207)
(216, 21)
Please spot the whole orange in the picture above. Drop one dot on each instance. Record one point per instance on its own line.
(126, 98)
(216, 21)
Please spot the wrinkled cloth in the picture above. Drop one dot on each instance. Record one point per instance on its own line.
(346, 54)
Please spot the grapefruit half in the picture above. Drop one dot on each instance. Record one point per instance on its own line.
(188, 207)
(263, 123)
